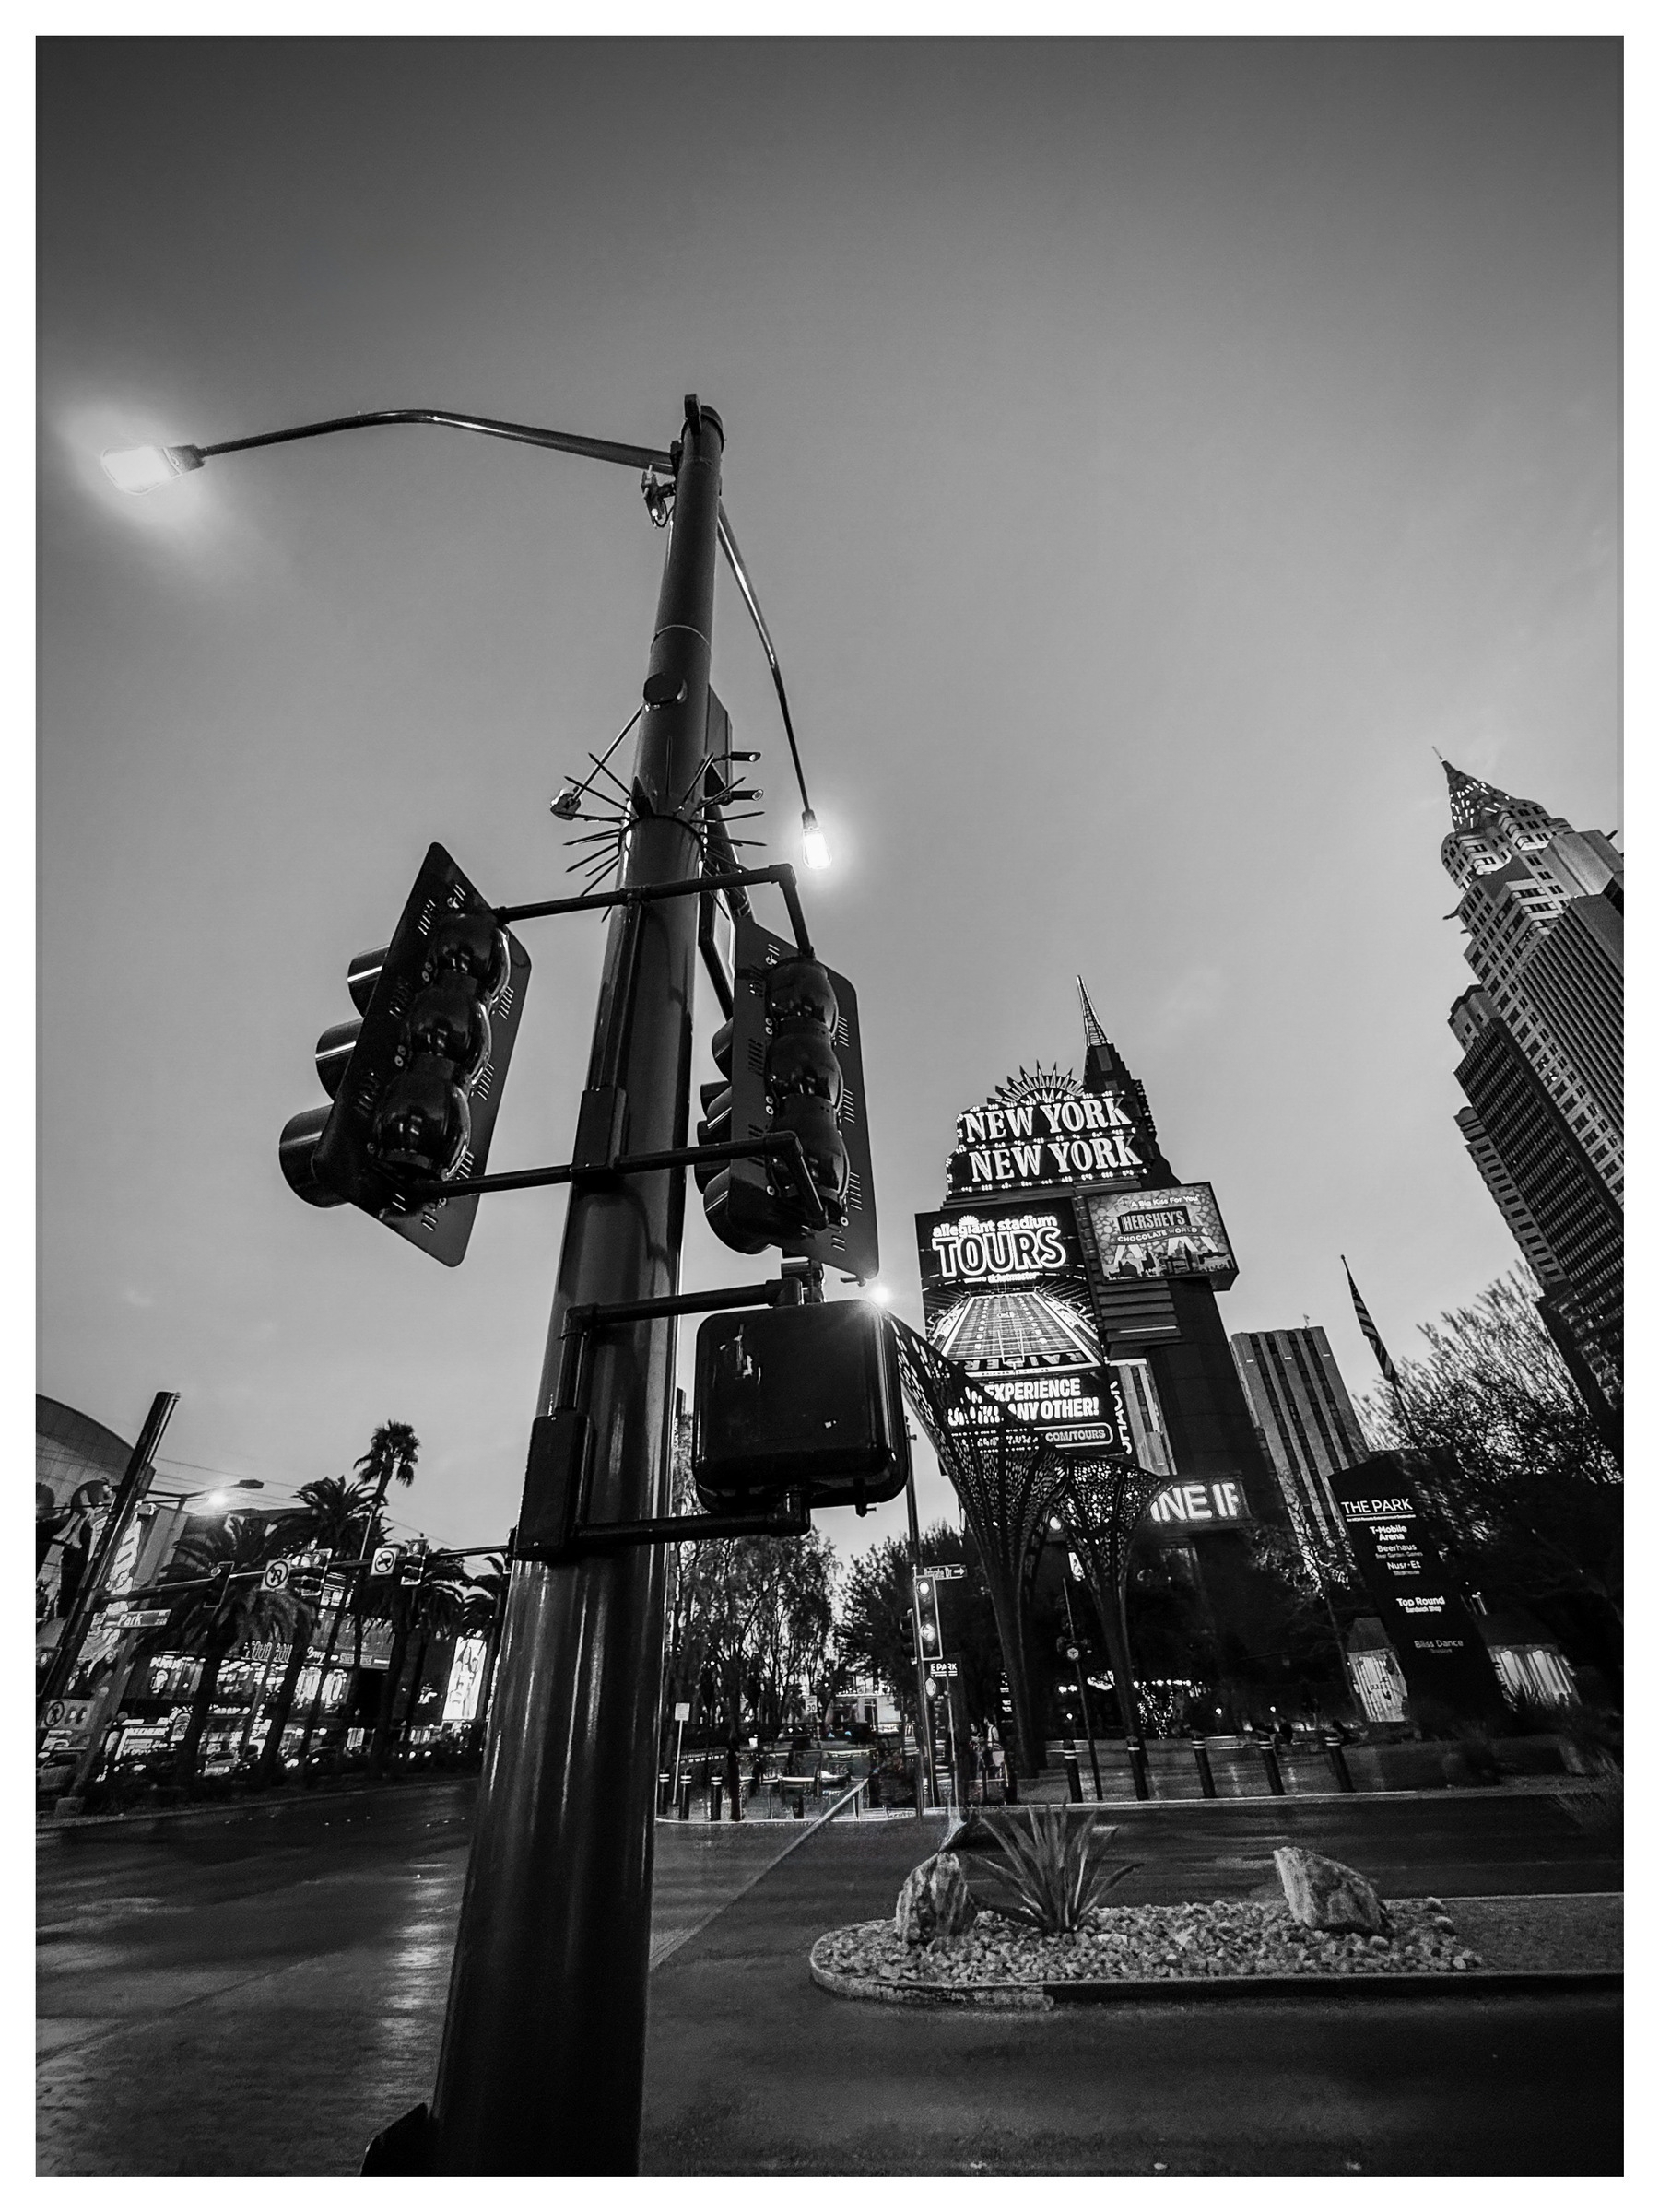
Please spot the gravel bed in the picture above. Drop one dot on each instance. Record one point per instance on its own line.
(1152, 1942)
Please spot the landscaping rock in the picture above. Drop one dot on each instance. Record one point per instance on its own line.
(1323, 1893)
(935, 1901)
(1231, 1937)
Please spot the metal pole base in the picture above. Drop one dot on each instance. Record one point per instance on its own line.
(403, 2147)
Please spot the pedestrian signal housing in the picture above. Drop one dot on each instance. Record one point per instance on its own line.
(789, 1062)
(798, 1396)
(416, 1081)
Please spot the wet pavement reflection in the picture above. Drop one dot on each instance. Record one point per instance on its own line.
(260, 1994)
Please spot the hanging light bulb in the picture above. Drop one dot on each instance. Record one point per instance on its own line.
(815, 845)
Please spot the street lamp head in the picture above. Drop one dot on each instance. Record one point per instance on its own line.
(215, 1501)
(146, 467)
(815, 845)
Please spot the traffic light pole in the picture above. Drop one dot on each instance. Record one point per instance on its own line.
(923, 1715)
(542, 2067)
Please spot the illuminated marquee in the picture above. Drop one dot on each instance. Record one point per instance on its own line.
(1041, 1130)
(1203, 1504)
(971, 1250)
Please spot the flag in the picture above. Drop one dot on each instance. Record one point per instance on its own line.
(1368, 1329)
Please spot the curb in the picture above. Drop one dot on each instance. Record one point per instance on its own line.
(1053, 1996)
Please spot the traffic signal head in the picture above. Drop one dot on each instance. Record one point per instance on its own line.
(417, 1080)
(792, 1066)
(793, 1397)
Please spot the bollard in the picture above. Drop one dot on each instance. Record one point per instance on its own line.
(1074, 1777)
(684, 1801)
(1270, 1767)
(1137, 1766)
(665, 1795)
(1339, 1766)
(714, 1795)
(1207, 1780)
(797, 1805)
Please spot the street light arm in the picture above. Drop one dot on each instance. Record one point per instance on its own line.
(521, 433)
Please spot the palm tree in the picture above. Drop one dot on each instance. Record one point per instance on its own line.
(220, 1618)
(333, 1508)
(393, 1452)
(486, 1615)
(435, 1604)
(354, 1528)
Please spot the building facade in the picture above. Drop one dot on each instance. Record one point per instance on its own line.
(1543, 907)
(1309, 1429)
(1542, 1059)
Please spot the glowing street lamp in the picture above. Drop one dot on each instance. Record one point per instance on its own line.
(138, 468)
(208, 1501)
(216, 1502)
(815, 845)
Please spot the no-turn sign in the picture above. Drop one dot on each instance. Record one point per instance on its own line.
(276, 1575)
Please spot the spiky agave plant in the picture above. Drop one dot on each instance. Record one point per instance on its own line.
(1048, 1873)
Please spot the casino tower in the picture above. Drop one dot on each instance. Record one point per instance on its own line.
(1542, 1059)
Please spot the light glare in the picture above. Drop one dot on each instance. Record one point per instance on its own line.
(138, 468)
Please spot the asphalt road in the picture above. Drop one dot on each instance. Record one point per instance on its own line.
(258, 1995)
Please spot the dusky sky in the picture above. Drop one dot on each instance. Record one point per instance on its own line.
(1146, 453)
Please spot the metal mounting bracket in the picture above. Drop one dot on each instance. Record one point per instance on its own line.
(606, 1120)
(551, 1528)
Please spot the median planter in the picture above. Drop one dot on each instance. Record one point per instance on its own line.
(1135, 1949)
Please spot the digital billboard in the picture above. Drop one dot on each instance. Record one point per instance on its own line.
(1178, 1232)
(1005, 1295)
(1441, 1651)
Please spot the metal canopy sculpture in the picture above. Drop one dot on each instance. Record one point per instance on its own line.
(1008, 1477)
(1100, 1508)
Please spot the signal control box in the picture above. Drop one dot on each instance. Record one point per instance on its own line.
(793, 1396)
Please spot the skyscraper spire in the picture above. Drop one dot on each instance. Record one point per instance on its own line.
(1092, 1032)
(1470, 796)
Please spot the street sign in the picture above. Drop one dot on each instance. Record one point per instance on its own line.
(276, 1575)
(944, 1574)
(682, 1712)
(945, 1667)
(150, 1619)
(384, 1561)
